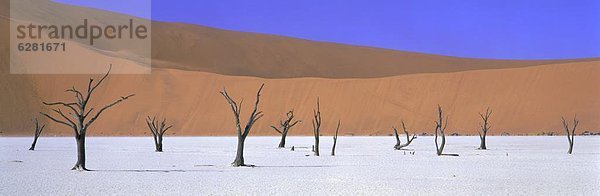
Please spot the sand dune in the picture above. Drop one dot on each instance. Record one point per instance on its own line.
(198, 48)
(368, 89)
(524, 100)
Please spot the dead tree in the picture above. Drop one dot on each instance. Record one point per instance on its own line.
(285, 127)
(79, 113)
(335, 139)
(242, 134)
(316, 127)
(38, 132)
(440, 128)
(570, 132)
(409, 140)
(158, 130)
(485, 127)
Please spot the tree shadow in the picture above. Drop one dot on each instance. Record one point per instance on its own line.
(274, 166)
(153, 170)
(296, 166)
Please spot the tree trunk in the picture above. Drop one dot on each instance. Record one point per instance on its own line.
(333, 148)
(482, 144)
(34, 142)
(159, 148)
(440, 149)
(80, 165)
(571, 145)
(159, 144)
(316, 146)
(155, 142)
(239, 157)
(282, 142)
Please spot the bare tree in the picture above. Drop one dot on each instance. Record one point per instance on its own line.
(316, 127)
(409, 140)
(38, 132)
(285, 127)
(440, 128)
(335, 139)
(254, 116)
(485, 127)
(570, 132)
(79, 112)
(158, 130)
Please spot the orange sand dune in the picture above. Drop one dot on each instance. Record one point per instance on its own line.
(524, 100)
(368, 89)
(197, 48)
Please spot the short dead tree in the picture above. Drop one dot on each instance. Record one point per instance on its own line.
(38, 132)
(485, 127)
(285, 127)
(158, 130)
(440, 129)
(316, 127)
(409, 139)
(242, 134)
(79, 113)
(335, 139)
(570, 131)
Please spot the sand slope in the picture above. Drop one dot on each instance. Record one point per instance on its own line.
(524, 100)
(193, 63)
(198, 48)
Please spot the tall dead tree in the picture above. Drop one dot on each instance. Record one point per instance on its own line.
(37, 133)
(242, 134)
(335, 139)
(316, 127)
(285, 127)
(79, 113)
(440, 131)
(158, 130)
(570, 131)
(485, 127)
(409, 139)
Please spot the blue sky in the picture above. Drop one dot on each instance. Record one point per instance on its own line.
(498, 29)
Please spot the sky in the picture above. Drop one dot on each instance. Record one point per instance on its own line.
(493, 29)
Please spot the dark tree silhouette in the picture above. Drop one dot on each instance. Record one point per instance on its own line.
(285, 127)
(335, 139)
(242, 134)
(440, 129)
(409, 139)
(158, 130)
(79, 112)
(570, 131)
(316, 127)
(37, 133)
(485, 127)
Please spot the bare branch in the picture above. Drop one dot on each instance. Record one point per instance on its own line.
(69, 105)
(276, 129)
(65, 117)
(91, 89)
(106, 107)
(55, 120)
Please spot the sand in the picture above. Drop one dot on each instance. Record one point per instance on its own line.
(368, 89)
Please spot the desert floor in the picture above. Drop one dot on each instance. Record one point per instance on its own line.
(362, 166)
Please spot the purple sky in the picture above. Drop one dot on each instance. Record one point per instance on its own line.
(499, 29)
